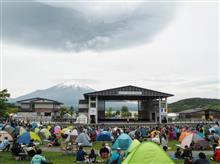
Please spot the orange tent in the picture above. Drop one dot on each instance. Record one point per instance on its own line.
(183, 135)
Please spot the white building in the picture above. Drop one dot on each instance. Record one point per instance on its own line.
(39, 109)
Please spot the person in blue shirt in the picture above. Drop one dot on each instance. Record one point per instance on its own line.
(116, 157)
(5, 145)
(80, 155)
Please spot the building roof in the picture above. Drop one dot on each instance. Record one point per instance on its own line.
(38, 100)
(128, 91)
(195, 110)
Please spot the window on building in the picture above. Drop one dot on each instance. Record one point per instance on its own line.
(47, 114)
(32, 106)
(93, 105)
(93, 98)
(38, 113)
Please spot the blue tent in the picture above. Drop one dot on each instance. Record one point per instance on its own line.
(143, 132)
(123, 142)
(34, 125)
(104, 136)
(27, 136)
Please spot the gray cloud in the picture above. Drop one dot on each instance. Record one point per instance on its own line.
(61, 28)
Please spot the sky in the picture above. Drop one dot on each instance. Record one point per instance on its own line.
(169, 46)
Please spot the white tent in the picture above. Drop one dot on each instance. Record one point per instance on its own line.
(157, 140)
(82, 119)
(83, 139)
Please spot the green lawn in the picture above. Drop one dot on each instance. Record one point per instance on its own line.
(56, 158)
(64, 158)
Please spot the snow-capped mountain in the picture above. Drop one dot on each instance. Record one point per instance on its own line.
(68, 92)
(73, 84)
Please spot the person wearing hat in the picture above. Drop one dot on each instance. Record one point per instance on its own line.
(116, 157)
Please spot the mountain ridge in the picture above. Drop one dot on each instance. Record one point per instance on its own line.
(196, 102)
(67, 94)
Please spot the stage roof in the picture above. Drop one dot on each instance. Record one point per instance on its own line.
(128, 92)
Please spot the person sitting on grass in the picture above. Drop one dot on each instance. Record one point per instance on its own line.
(92, 156)
(80, 155)
(104, 152)
(16, 149)
(39, 159)
(5, 145)
(187, 153)
(202, 159)
(177, 154)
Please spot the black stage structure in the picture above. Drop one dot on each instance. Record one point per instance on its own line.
(152, 105)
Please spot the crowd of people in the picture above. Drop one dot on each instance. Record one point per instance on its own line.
(160, 134)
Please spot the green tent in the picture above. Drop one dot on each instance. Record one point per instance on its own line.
(148, 153)
(133, 146)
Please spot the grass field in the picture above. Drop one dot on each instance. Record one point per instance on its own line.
(64, 158)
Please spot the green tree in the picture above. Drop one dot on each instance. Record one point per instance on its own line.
(109, 112)
(63, 110)
(125, 112)
(124, 109)
(135, 115)
(117, 112)
(72, 110)
(4, 95)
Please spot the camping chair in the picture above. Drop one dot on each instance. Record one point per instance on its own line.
(73, 143)
(23, 154)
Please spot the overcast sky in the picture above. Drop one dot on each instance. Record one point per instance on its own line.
(166, 46)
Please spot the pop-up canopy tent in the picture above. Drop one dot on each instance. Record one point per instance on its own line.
(148, 153)
(123, 142)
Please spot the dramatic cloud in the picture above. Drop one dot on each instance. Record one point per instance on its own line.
(83, 26)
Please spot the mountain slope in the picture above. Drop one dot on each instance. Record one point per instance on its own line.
(194, 103)
(68, 93)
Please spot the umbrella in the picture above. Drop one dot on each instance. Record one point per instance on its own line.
(4, 134)
(57, 129)
(27, 136)
(64, 130)
(74, 132)
(154, 133)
